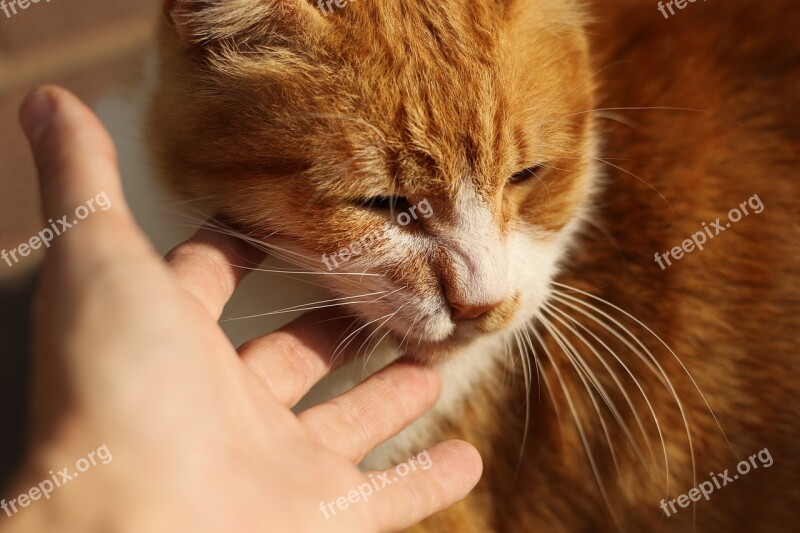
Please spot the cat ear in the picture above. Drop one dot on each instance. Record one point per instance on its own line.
(203, 21)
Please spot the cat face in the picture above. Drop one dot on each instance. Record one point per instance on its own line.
(441, 151)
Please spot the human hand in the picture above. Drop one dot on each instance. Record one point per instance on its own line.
(128, 354)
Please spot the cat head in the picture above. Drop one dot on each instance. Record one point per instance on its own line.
(443, 149)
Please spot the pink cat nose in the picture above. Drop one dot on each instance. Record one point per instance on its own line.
(467, 312)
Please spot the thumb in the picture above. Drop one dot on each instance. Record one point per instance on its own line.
(80, 187)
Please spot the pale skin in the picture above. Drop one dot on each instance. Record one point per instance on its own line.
(128, 354)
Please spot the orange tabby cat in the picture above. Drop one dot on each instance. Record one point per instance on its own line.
(618, 361)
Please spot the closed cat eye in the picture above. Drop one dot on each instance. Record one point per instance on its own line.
(383, 203)
(525, 175)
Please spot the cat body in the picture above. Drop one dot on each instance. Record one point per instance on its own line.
(610, 281)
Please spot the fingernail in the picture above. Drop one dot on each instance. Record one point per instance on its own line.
(36, 114)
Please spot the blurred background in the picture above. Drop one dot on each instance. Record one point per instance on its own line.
(103, 50)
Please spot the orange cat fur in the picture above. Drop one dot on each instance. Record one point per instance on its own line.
(560, 146)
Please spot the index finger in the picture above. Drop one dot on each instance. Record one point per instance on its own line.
(210, 266)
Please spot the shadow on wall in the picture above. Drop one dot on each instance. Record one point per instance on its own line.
(15, 313)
